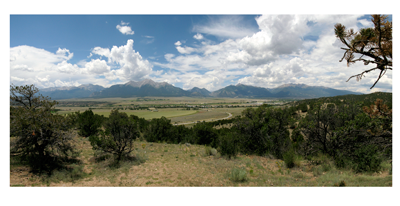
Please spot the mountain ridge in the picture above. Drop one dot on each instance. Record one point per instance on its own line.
(148, 87)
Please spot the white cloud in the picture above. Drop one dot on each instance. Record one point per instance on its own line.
(185, 50)
(63, 52)
(30, 65)
(125, 29)
(225, 27)
(45, 79)
(280, 52)
(22, 68)
(97, 66)
(16, 79)
(366, 23)
(198, 36)
(132, 65)
(65, 67)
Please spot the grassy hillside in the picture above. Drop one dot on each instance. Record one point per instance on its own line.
(181, 165)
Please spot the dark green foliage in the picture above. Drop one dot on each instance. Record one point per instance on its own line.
(158, 130)
(178, 134)
(119, 136)
(297, 141)
(289, 158)
(367, 159)
(89, 123)
(352, 137)
(205, 134)
(142, 122)
(321, 124)
(72, 119)
(303, 107)
(43, 140)
(228, 145)
(264, 130)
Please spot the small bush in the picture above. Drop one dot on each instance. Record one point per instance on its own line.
(238, 175)
(209, 151)
(118, 139)
(289, 158)
(367, 159)
(228, 145)
(89, 123)
(340, 184)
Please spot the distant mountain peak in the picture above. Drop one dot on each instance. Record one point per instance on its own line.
(146, 82)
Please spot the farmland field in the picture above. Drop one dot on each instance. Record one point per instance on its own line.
(150, 115)
(201, 109)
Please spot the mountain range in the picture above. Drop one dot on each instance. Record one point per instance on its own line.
(148, 87)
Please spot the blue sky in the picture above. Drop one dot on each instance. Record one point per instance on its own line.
(206, 51)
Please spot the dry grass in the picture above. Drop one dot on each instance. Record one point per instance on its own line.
(181, 165)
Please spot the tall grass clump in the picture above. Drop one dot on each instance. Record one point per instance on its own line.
(238, 175)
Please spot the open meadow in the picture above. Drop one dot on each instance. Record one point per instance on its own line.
(160, 164)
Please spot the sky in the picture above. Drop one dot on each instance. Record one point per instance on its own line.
(205, 51)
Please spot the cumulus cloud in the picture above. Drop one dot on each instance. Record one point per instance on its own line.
(63, 52)
(198, 36)
(132, 65)
(125, 29)
(185, 49)
(97, 66)
(280, 52)
(30, 65)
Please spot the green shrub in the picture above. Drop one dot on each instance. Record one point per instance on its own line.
(158, 130)
(89, 123)
(42, 140)
(289, 158)
(205, 134)
(207, 150)
(121, 131)
(228, 145)
(238, 175)
(367, 159)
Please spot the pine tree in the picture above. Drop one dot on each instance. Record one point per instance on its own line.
(42, 139)
(373, 44)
